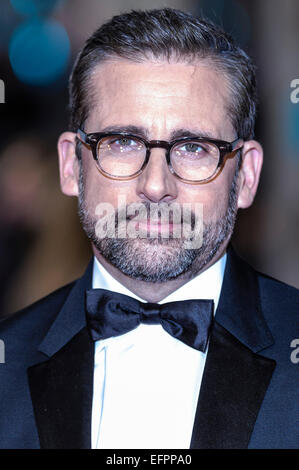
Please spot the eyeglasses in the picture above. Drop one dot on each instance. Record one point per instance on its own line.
(123, 156)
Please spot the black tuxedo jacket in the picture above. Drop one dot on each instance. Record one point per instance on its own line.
(249, 395)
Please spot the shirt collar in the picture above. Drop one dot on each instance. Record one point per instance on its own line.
(206, 285)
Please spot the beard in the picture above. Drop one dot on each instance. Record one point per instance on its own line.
(158, 259)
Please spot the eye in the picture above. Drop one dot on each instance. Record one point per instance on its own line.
(123, 144)
(119, 144)
(192, 149)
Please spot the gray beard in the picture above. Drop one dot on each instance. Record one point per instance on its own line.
(159, 260)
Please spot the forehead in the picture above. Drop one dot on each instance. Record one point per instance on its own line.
(159, 96)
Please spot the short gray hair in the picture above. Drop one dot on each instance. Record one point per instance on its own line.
(167, 34)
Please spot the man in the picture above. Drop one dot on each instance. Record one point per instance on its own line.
(169, 340)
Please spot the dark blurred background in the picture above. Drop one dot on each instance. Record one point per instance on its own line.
(42, 245)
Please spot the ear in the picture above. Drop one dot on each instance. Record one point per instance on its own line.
(68, 164)
(252, 162)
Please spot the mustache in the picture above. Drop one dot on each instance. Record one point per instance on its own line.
(173, 212)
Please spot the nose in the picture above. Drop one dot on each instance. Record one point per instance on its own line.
(156, 183)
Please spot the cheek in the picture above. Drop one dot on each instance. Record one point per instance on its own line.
(93, 185)
(213, 196)
(99, 189)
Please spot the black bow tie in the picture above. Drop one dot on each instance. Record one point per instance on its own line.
(112, 314)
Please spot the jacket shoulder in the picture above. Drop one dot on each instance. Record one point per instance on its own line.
(36, 317)
(277, 301)
(276, 292)
(280, 306)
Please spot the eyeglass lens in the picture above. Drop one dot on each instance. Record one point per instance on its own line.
(123, 156)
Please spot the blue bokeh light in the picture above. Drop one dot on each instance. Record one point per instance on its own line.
(39, 51)
(34, 7)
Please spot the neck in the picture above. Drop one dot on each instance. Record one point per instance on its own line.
(150, 291)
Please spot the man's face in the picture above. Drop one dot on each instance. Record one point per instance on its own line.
(162, 100)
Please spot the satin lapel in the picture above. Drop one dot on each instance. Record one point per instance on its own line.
(233, 387)
(236, 378)
(61, 391)
(61, 387)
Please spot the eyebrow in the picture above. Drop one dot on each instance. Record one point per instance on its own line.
(143, 132)
(136, 130)
(177, 134)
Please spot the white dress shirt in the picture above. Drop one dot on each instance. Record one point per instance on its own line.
(146, 383)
